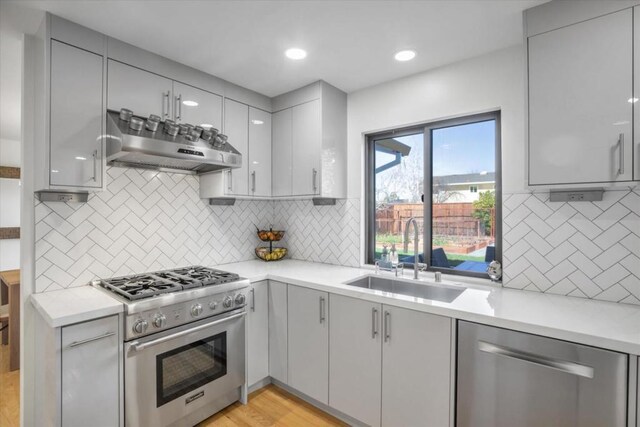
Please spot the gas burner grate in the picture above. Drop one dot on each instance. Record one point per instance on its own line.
(140, 286)
(208, 276)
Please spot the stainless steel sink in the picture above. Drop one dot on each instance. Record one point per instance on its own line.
(423, 290)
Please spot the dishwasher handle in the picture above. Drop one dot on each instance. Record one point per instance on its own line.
(537, 359)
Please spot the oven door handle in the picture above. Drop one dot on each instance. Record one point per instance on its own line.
(137, 346)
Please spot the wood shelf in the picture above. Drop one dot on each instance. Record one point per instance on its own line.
(9, 233)
(9, 172)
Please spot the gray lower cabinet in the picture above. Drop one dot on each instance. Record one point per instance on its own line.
(258, 318)
(416, 368)
(308, 342)
(91, 373)
(389, 366)
(355, 358)
(278, 331)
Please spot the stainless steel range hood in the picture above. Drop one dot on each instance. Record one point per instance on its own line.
(160, 151)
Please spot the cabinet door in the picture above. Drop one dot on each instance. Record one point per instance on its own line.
(236, 127)
(355, 358)
(76, 117)
(140, 91)
(196, 106)
(278, 331)
(258, 332)
(309, 342)
(580, 102)
(259, 161)
(91, 373)
(416, 368)
(306, 138)
(281, 153)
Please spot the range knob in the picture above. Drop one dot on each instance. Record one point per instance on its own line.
(240, 299)
(228, 302)
(196, 310)
(140, 326)
(159, 320)
(213, 305)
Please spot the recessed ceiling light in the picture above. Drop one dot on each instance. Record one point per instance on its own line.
(257, 122)
(295, 53)
(632, 100)
(190, 103)
(55, 170)
(80, 158)
(405, 55)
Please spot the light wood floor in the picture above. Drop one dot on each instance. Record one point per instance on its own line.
(9, 391)
(269, 406)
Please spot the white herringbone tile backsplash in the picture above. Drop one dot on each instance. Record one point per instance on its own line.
(148, 221)
(583, 249)
(329, 234)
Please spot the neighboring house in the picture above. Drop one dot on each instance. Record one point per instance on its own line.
(463, 188)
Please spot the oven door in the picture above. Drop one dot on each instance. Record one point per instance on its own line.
(172, 374)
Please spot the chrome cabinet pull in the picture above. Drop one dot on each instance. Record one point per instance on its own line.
(253, 299)
(387, 326)
(230, 182)
(621, 154)
(253, 181)
(137, 346)
(165, 104)
(95, 165)
(178, 107)
(322, 314)
(537, 359)
(374, 323)
(315, 180)
(88, 340)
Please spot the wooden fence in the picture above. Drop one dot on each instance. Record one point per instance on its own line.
(449, 219)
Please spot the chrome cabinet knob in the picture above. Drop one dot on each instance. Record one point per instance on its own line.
(196, 310)
(228, 302)
(159, 321)
(240, 299)
(140, 326)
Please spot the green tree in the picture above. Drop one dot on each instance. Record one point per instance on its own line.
(484, 209)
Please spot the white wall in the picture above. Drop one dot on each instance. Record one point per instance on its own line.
(488, 82)
(9, 205)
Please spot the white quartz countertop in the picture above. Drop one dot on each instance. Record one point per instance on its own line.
(601, 324)
(74, 305)
(597, 323)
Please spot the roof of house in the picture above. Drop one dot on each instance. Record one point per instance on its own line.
(466, 178)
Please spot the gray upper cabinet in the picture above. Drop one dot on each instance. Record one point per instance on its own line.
(306, 137)
(580, 100)
(140, 91)
(196, 106)
(281, 163)
(313, 122)
(69, 106)
(76, 117)
(259, 158)
(236, 127)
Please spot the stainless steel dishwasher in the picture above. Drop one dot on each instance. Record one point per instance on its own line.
(508, 379)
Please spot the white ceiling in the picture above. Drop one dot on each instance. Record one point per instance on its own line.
(350, 44)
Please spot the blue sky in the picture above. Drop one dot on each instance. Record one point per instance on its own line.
(464, 149)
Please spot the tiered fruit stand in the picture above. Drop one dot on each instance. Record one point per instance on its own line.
(270, 253)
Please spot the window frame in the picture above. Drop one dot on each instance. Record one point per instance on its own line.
(426, 129)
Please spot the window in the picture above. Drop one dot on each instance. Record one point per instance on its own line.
(457, 161)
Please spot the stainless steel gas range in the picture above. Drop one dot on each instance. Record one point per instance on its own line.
(184, 346)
